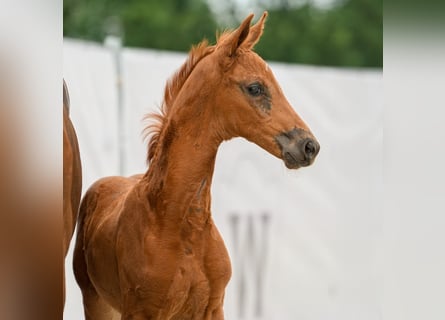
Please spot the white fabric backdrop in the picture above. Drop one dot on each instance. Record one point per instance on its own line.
(317, 257)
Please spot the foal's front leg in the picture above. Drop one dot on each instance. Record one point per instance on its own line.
(215, 309)
(138, 306)
(217, 314)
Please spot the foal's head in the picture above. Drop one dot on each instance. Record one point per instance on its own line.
(235, 93)
(251, 103)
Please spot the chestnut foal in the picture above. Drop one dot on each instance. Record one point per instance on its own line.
(147, 247)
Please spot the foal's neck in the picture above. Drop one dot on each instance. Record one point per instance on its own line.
(180, 176)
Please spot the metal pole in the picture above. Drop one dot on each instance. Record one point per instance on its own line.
(113, 41)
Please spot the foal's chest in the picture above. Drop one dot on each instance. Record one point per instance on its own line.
(186, 272)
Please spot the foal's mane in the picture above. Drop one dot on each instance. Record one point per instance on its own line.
(171, 91)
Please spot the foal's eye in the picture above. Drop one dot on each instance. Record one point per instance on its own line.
(255, 89)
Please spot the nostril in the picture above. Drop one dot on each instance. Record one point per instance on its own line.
(310, 149)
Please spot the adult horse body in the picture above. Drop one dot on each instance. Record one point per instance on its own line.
(72, 174)
(147, 247)
(72, 177)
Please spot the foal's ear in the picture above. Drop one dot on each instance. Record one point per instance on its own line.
(234, 40)
(255, 32)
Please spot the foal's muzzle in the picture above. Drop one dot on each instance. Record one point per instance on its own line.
(298, 148)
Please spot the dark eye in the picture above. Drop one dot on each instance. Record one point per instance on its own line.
(255, 89)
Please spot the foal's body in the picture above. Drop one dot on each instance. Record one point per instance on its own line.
(147, 247)
(181, 264)
(180, 271)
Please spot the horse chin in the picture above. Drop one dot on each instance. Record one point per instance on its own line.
(291, 162)
(292, 166)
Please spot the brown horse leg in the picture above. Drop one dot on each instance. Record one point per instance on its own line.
(216, 314)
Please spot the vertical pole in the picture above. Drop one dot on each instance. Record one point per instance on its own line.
(113, 41)
(120, 108)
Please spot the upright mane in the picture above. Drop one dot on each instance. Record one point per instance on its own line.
(158, 120)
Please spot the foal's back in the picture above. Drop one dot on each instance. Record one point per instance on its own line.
(104, 200)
